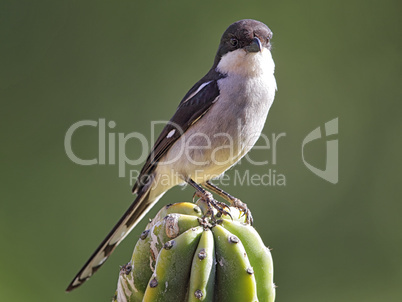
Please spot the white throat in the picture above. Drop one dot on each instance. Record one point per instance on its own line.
(242, 63)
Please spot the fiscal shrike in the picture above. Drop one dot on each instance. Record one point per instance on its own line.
(215, 125)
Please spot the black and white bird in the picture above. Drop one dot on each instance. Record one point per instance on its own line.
(215, 125)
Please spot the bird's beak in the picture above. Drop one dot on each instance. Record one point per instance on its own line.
(255, 45)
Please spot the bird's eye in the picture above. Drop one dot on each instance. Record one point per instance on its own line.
(233, 42)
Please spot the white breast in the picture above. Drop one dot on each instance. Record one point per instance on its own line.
(233, 124)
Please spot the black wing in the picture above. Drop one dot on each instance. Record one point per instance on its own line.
(194, 105)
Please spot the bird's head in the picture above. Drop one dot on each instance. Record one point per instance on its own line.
(244, 49)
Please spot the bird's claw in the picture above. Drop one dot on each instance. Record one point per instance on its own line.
(212, 203)
(237, 203)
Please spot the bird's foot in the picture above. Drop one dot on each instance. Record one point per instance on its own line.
(237, 203)
(213, 204)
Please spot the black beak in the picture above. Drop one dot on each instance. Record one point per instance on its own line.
(255, 45)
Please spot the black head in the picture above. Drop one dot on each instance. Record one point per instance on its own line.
(247, 34)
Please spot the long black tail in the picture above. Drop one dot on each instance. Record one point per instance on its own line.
(141, 205)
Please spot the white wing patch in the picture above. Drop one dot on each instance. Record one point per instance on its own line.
(170, 134)
(198, 90)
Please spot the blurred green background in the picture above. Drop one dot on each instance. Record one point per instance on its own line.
(66, 61)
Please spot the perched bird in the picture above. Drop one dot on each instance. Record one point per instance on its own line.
(215, 125)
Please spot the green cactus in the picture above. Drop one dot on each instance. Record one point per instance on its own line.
(184, 255)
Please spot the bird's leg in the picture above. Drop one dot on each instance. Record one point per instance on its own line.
(208, 198)
(237, 203)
